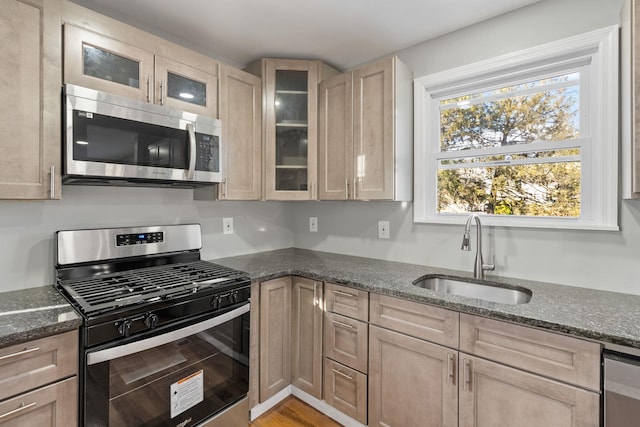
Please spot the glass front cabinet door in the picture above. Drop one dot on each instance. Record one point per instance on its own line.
(105, 64)
(290, 93)
(102, 63)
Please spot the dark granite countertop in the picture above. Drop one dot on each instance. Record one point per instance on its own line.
(33, 313)
(608, 317)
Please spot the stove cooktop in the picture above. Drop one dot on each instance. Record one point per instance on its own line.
(102, 293)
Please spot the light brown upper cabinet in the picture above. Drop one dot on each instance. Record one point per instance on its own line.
(290, 118)
(241, 115)
(101, 62)
(365, 147)
(30, 85)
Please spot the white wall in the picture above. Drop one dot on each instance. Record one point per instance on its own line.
(27, 228)
(602, 260)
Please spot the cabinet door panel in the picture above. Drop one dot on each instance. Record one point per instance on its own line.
(186, 88)
(346, 390)
(241, 115)
(335, 138)
(412, 383)
(347, 301)
(306, 336)
(495, 395)
(102, 63)
(373, 122)
(275, 331)
(345, 341)
(291, 110)
(30, 77)
(423, 321)
(53, 406)
(553, 355)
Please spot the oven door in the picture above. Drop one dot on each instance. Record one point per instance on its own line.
(178, 378)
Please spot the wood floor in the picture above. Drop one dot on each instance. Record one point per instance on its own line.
(293, 412)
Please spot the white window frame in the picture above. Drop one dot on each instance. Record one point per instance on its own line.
(598, 142)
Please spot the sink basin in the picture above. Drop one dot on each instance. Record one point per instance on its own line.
(475, 289)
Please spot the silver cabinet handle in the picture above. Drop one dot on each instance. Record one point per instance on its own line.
(19, 353)
(355, 188)
(192, 152)
(315, 296)
(339, 372)
(344, 325)
(451, 378)
(224, 188)
(346, 189)
(467, 374)
(148, 89)
(22, 407)
(311, 190)
(52, 185)
(161, 92)
(344, 294)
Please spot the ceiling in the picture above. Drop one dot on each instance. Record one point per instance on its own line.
(343, 33)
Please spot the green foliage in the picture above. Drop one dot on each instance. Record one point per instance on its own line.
(549, 189)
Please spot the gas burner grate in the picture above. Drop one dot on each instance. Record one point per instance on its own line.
(101, 293)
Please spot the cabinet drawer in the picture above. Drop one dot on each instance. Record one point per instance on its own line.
(346, 341)
(423, 321)
(346, 390)
(35, 363)
(55, 405)
(553, 355)
(347, 301)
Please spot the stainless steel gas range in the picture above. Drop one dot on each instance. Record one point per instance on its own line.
(165, 340)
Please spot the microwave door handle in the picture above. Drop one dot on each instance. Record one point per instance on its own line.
(192, 152)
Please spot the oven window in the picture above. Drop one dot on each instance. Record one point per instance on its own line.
(193, 377)
(105, 139)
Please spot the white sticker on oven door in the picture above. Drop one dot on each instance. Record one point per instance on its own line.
(187, 393)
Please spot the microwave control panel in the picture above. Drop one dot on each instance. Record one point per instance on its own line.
(207, 153)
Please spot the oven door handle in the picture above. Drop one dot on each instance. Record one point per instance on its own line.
(137, 346)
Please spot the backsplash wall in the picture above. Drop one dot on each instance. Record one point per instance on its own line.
(27, 228)
(591, 259)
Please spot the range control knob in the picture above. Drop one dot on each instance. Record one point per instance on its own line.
(234, 297)
(125, 328)
(215, 302)
(151, 321)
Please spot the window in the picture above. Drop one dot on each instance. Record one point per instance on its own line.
(527, 139)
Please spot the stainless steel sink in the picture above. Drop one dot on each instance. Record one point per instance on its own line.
(475, 289)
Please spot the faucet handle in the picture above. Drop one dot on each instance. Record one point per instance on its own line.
(492, 266)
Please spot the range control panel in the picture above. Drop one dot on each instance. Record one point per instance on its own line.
(139, 238)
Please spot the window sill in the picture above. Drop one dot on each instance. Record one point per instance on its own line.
(515, 222)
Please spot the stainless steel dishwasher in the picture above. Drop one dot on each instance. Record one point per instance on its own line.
(622, 388)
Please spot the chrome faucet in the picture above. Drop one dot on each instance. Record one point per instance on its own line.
(479, 266)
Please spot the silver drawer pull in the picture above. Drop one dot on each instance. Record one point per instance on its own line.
(20, 408)
(344, 325)
(451, 378)
(339, 372)
(345, 294)
(19, 353)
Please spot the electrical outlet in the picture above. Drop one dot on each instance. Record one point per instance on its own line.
(227, 225)
(313, 224)
(383, 229)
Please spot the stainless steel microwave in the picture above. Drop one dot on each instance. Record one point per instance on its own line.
(112, 140)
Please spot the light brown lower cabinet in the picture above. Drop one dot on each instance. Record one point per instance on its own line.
(55, 405)
(306, 335)
(345, 341)
(412, 382)
(275, 330)
(345, 389)
(493, 395)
